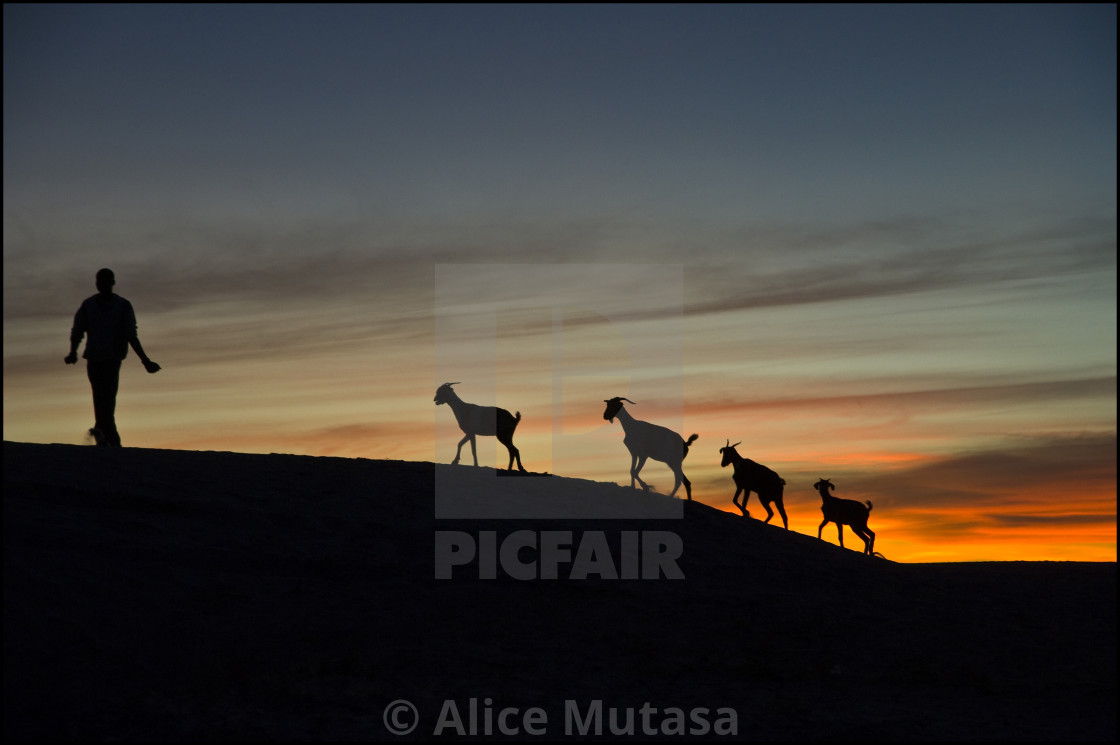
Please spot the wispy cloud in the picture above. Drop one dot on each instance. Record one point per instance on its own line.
(1031, 476)
(927, 399)
(905, 257)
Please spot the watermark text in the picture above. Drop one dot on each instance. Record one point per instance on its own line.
(556, 554)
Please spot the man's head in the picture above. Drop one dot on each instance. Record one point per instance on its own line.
(105, 281)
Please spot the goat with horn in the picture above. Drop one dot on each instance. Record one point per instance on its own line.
(750, 476)
(645, 440)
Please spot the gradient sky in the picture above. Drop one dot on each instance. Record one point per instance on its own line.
(879, 242)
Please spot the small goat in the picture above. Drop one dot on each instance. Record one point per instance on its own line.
(750, 476)
(845, 512)
(480, 420)
(645, 440)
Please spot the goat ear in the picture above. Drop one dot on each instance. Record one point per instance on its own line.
(628, 400)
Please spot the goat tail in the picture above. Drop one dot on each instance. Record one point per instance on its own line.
(690, 441)
(517, 420)
(868, 505)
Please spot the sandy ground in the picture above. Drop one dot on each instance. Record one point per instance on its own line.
(177, 595)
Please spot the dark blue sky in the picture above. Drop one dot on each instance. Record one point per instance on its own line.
(803, 112)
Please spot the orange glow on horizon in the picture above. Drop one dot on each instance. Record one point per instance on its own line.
(909, 528)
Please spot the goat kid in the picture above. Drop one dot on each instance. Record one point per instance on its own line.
(477, 420)
(645, 440)
(845, 512)
(751, 476)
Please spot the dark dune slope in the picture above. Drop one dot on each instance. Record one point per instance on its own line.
(171, 595)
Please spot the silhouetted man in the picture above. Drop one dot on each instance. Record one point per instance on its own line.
(109, 323)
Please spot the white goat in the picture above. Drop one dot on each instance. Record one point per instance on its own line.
(845, 512)
(480, 420)
(645, 440)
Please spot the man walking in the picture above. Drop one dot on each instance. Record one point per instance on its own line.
(109, 323)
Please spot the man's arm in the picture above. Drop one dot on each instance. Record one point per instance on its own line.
(77, 331)
(148, 364)
(134, 342)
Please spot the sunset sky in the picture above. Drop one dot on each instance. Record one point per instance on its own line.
(875, 244)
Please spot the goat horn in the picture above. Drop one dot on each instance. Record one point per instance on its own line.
(740, 442)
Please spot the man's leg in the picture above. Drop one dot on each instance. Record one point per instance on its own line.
(104, 379)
